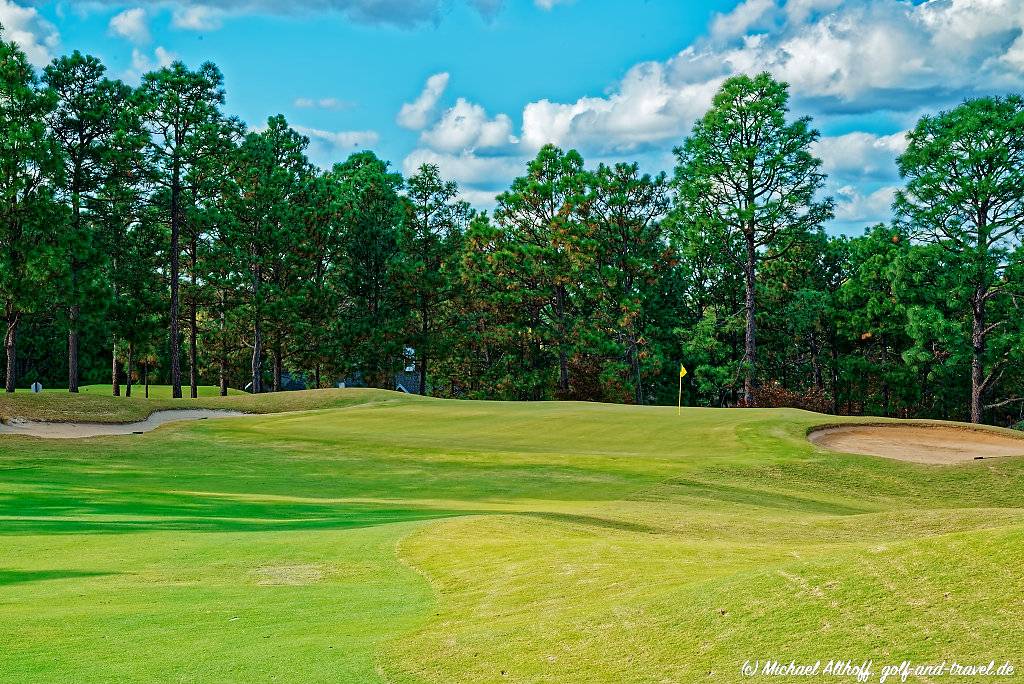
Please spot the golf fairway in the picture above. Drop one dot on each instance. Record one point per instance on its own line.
(388, 538)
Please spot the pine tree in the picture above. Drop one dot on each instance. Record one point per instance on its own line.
(432, 237)
(84, 125)
(30, 250)
(965, 191)
(182, 112)
(748, 176)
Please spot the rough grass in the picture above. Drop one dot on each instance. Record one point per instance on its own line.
(393, 538)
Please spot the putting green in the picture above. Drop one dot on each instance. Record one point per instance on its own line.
(400, 539)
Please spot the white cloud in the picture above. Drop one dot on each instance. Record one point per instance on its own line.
(197, 18)
(143, 63)
(322, 103)
(479, 199)
(1014, 57)
(861, 154)
(466, 168)
(131, 25)
(744, 16)
(549, 4)
(466, 126)
(328, 147)
(36, 36)
(416, 115)
(839, 56)
(647, 107)
(854, 209)
(799, 10)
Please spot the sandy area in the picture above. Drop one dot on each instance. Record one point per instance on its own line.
(77, 430)
(918, 443)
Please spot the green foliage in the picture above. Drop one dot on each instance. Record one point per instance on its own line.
(31, 263)
(433, 229)
(965, 191)
(131, 210)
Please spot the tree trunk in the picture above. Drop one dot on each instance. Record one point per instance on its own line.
(316, 375)
(977, 355)
(128, 372)
(145, 376)
(115, 376)
(175, 331)
(422, 353)
(223, 345)
(834, 370)
(277, 365)
(10, 339)
(750, 347)
(73, 312)
(886, 391)
(563, 359)
(257, 358)
(819, 382)
(193, 379)
(634, 361)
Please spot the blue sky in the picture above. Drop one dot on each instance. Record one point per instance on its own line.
(476, 86)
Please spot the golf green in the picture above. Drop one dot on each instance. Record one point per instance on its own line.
(368, 536)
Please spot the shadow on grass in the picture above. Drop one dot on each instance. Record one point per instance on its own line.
(119, 512)
(592, 521)
(8, 577)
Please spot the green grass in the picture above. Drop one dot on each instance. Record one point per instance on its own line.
(365, 536)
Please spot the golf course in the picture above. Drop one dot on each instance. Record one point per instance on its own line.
(370, 536)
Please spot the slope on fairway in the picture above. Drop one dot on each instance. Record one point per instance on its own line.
(407, 540)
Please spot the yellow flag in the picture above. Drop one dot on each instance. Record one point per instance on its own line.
(682, 371)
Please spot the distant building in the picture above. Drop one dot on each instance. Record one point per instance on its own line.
(407, 380)
(404, 381)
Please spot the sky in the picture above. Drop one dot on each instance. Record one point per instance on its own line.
(478, 86)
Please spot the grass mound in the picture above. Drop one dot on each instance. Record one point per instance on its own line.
(374, 537)
(96, 405)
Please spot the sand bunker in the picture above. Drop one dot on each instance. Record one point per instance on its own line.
(78, 430)
(918, 443)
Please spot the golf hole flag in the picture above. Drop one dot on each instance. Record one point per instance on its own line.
(682, 371)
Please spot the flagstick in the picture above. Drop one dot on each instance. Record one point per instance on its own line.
(679, 410)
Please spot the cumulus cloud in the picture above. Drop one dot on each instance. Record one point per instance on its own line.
(131, 25)
(416, 115)
(865, 60)
(466, 168)
(742, 18)
(36, 36)
(143, 62)
(856, 209)
(861, 154)
(321, 103)
(466, 126)
(197, 18)
(648, 106)
(839, 56)
(328, 147)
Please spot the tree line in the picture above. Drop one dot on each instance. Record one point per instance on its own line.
(146, 234)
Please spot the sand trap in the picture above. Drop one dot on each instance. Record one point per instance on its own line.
(918, 443)
(32, 428)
